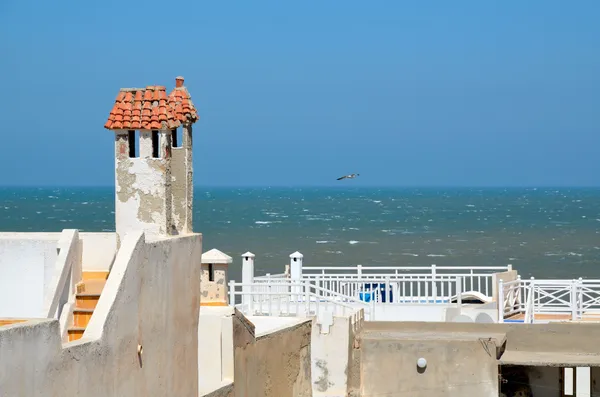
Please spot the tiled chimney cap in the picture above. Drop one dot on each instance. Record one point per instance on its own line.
(151, 109)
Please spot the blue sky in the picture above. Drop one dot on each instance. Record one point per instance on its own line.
(433, 93)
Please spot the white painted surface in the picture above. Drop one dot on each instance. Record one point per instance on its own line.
(330, 356)
(66, 274)
(27, 263)
(247, 276)
(216, 257)
(583, 382)
(146, 302)
(296, 260)
(408, 312)
(99, 250)
(148, 181)
(215, 348)
(265, 324)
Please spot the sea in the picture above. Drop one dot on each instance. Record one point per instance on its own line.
(542, 232)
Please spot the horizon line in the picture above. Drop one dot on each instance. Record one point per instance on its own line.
(322, 186)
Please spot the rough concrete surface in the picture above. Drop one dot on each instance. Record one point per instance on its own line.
(276, 364)
(462, 366)
(150, 301)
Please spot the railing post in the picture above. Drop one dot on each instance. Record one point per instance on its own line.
(459, 291)
(580, 297)
(434, 283)
(500, 301)
(247, 279)
(388, 294)
(531, 289)
(306, 298)
(296, 260)
(232, 293)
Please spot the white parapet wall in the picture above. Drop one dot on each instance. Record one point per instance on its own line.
(99, 250)
(27, 262)
(141, 340)
(331, 354)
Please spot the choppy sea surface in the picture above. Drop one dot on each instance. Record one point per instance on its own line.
(543, 232)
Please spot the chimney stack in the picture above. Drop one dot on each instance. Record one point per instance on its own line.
(178, 82)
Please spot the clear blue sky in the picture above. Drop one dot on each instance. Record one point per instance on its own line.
(434, 93)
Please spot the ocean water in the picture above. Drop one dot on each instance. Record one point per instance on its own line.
(542, 232)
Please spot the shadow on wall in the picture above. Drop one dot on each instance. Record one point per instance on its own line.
(273, 365)
(147, 314)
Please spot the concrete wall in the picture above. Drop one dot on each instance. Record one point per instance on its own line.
(27, 263)
(182, 183)
(526, 344)
(276, 364)
(456, 365)
(150, 301)
(331, 355)
(99, 250)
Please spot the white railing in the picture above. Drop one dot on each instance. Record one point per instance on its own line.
(271, 283)
(66, 273)
(477, 278)
(389, 289)
(560, 299)
(299, 299)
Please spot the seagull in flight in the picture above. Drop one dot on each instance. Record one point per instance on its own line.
(351, 176)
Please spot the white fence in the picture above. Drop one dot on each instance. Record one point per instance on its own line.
(555, 300)
(432, 282)
(390, 289)
(285, 297)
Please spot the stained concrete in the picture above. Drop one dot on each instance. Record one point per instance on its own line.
(276, 364)
(458, 364)
(149, 300)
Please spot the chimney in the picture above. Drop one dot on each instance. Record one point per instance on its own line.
(178, 82)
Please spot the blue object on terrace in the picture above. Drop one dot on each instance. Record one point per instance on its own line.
(370, 289)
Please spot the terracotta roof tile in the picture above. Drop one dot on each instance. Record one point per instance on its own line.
(151, 108)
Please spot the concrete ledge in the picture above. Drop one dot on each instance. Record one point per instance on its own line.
(550, 359)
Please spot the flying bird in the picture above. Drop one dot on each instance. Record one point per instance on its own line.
(351, 176)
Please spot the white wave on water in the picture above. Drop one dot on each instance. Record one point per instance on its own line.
(353, 228)
(263, 222)
(324, 242)
(563, 254)
(409, 254)
(353, 242)
(435, 255)
(334, 252)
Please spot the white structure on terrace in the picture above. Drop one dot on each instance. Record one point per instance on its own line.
(409, 293)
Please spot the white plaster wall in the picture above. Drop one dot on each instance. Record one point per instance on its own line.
(99, 250)
(27, 263)
(147, 181)
(215, 348)
(150, 301)
(407, 312)
(330, 358)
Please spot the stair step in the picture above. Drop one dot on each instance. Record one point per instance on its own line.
(81, 317)
(85, 276)
(86, 301)
(90, 286)
(75, 333)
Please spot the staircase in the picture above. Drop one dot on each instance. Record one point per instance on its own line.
(86, 299)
